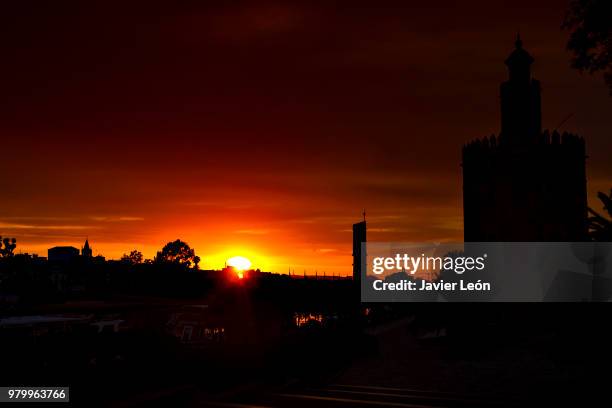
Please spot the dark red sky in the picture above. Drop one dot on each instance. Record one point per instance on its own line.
(262, 129)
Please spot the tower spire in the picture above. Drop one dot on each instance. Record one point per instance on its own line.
(518, 43)
(86, 250)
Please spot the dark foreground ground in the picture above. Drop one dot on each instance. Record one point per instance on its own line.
(139, 338)
(511, 355)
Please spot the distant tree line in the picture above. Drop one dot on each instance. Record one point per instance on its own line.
(176, 252)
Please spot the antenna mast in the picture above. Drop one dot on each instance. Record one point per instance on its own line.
(568, 117)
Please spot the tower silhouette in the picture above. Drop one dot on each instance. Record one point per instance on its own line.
(521, 117)
(359, 237)
(86, 250)
(524, 184)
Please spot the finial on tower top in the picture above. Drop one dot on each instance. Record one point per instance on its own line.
(364, 214)
(518, 43)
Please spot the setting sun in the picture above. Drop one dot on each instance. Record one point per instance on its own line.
(239, 262)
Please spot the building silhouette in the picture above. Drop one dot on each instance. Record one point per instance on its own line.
(62, 253)
(524, 184)
(86, 251)
(68, 253)
(359, 237)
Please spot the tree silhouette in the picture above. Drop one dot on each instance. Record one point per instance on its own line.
(133, 258)
(7, 246)
(600, 227)
(178, 252)
(590, 41)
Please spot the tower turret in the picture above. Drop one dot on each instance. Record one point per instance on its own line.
(521, 117)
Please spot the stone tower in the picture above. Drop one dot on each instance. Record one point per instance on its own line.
(524, 184)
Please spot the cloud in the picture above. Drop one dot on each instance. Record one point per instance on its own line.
(116, 218)
(246, 23)
(38, 218)
(44, 227)
(375, 230)
(252, 231)
(326, 250)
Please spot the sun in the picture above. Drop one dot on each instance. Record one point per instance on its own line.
(239, 263)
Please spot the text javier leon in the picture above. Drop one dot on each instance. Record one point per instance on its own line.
(429, 264)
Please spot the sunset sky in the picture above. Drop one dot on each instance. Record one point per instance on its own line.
(263, 129)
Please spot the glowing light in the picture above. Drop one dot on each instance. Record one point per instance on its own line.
(239, 263)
